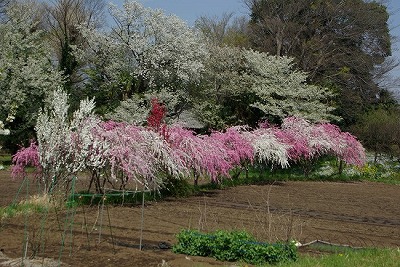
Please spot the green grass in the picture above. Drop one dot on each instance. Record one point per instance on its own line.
(6, 159)
(361, 258)
(36, 204)
(325, 169)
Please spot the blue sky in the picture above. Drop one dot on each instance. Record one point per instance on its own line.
(189, 10)
(394, 25)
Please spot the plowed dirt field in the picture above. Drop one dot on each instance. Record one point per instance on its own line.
(360, 214)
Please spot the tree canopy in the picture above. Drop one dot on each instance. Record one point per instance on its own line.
(338, 43)
(319, 60)
(242, 86)
(379, 131)
(62, 19)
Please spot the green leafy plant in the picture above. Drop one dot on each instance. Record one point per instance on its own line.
(233, 246)
(193, 243)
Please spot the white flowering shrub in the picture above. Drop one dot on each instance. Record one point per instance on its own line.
(3, 131)
(66, 146)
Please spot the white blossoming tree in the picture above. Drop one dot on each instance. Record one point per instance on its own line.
(26, 71)
(282, 91)
(145, 52)
(241, 86)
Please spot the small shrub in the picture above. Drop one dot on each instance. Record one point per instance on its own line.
(174, 187)
(229, 246)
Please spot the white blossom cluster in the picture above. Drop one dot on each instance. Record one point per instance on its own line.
(267, 147)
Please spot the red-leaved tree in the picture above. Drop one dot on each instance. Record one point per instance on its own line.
(157, 115)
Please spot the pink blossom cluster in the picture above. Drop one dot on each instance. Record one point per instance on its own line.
(142, 153)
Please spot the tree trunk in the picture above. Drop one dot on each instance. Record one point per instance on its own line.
(341, 167)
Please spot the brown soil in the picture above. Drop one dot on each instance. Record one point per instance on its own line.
(358, 214)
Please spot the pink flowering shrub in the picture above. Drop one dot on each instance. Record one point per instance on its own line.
(238, 149)
(312, 140)
(216, 160)
(187, 146)
(200, 153)
(297, 133)
(140, 154)
(26, 157)
(110, 125)
(345, 146)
